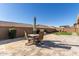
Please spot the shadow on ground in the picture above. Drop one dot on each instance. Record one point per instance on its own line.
(10, 40)
(48, 44)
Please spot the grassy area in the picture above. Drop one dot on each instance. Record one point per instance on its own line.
(63, 33)
(77, 33)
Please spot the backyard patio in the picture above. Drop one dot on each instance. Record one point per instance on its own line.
(55, 45)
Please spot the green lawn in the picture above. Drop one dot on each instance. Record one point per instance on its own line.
(63, 33)
(77, 33)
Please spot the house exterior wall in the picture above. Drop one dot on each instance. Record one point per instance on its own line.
(19, 31)
(3, 32)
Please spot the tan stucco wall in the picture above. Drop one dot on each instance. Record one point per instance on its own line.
(3, 33)
(19, 31)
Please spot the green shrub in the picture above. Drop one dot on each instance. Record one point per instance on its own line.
(12, 33)
(63, 33)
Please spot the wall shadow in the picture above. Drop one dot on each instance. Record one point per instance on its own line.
(10, 40)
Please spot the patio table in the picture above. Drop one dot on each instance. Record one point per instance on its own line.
(34, 36)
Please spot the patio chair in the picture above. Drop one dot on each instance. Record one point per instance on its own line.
(41, 35)
(30, 39)
(40, 38)
(26, 35)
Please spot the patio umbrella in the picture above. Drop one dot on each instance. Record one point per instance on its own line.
(34, 26)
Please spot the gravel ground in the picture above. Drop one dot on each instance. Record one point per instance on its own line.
(53, 45)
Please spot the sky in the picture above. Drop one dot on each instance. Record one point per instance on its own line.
(52, 14)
